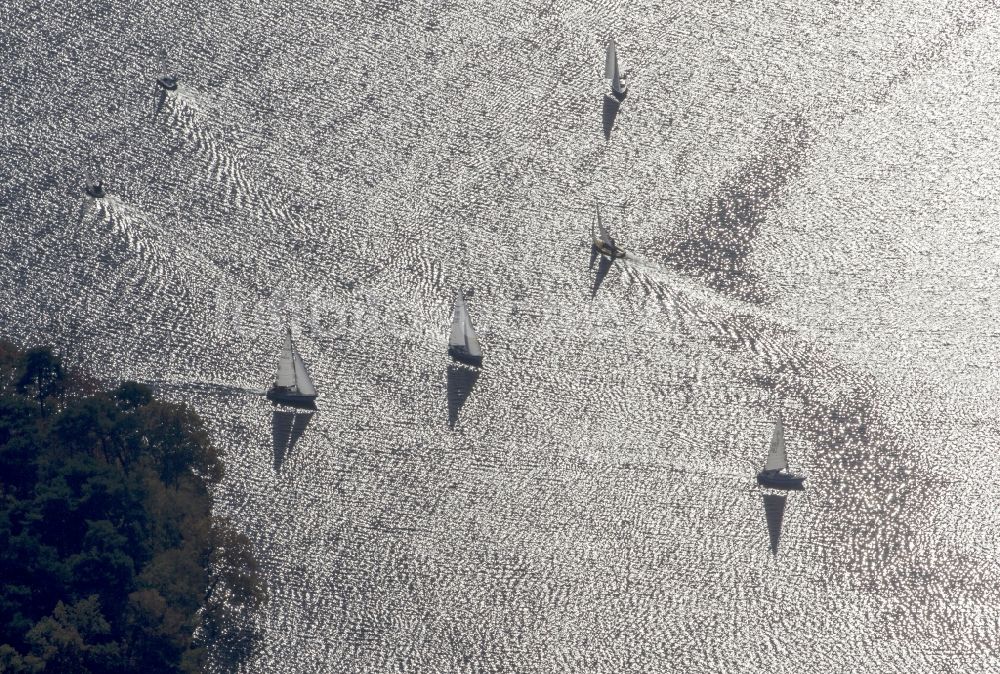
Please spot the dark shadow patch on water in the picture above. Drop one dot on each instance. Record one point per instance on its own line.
(609, 113)
(877, 501)
(717, 244)
(461, 380)
(774, 514)
(287, 429)
(878, 495)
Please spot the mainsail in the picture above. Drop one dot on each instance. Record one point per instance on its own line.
(292, 373)
(286, 368)
(463, 336)
(303, 383)
(602, 230)
(611, 70)
(776, 459)
(611, 61)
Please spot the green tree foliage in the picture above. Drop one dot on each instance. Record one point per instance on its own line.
(41, 375)
(110, 559)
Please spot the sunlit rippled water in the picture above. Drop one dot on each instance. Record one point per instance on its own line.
(809, 195)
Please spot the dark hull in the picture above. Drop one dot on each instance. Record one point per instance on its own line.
(463, 356)
(279, 396)
(620, 97)
(613, 253)
(168, 83)
(780, 480)
(95, 191)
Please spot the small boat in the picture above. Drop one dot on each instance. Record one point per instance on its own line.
(95, 190)
(463, 345)
(775, 473)
(619, 89)
(167, 82)
(292, 385)
(603, 241)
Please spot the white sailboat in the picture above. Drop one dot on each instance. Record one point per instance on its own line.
(603, 241)
(463, 345)
(293, 385)
(775, 473)
(619, 89)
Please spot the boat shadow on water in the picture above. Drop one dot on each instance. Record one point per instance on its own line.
(461, 380)
(609, 113)
(774, 514)
(287, 428)
(603, 266)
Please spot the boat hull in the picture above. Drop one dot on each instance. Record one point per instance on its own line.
(168, 83)
(95, 191)
(608, 251)
(779, 480)
(463, 356)
(620, 96)
(280, 395)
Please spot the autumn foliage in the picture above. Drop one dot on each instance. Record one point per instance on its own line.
(110, 558)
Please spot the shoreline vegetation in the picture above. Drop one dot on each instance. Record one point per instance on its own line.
(110, 557)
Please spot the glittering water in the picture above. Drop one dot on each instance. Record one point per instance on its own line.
(808, 193)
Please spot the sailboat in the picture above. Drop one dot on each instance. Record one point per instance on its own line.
(292, 385)
(775, 473)
(463, 345)
(167, 82)
(95, 189)
(619, 89)
(603, 241)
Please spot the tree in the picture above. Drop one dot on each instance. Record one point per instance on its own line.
(131, 395)
(42, 375)
(74, 639)
(106, 515)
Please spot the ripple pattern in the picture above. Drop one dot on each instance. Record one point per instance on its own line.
(806, 193)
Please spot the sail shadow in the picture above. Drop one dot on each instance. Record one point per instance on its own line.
(281, 434)
(602, 271)
(609, 113)
(718, 242)
(774, 513)
(286, 430)
(299, 428)
(461, 380)
(594, 254)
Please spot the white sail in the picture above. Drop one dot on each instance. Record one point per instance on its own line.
(286, 370)
(463, 335)
(776, 459)
(601, 229)
(611, 69)
(611, 61)
(303, 383)
(459, 318)
(471, 341)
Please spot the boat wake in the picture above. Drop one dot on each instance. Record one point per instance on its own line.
(130, 227)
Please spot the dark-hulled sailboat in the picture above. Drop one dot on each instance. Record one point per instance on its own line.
(776, 473)
(95, 190)
(292, 386)
(603, 241)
